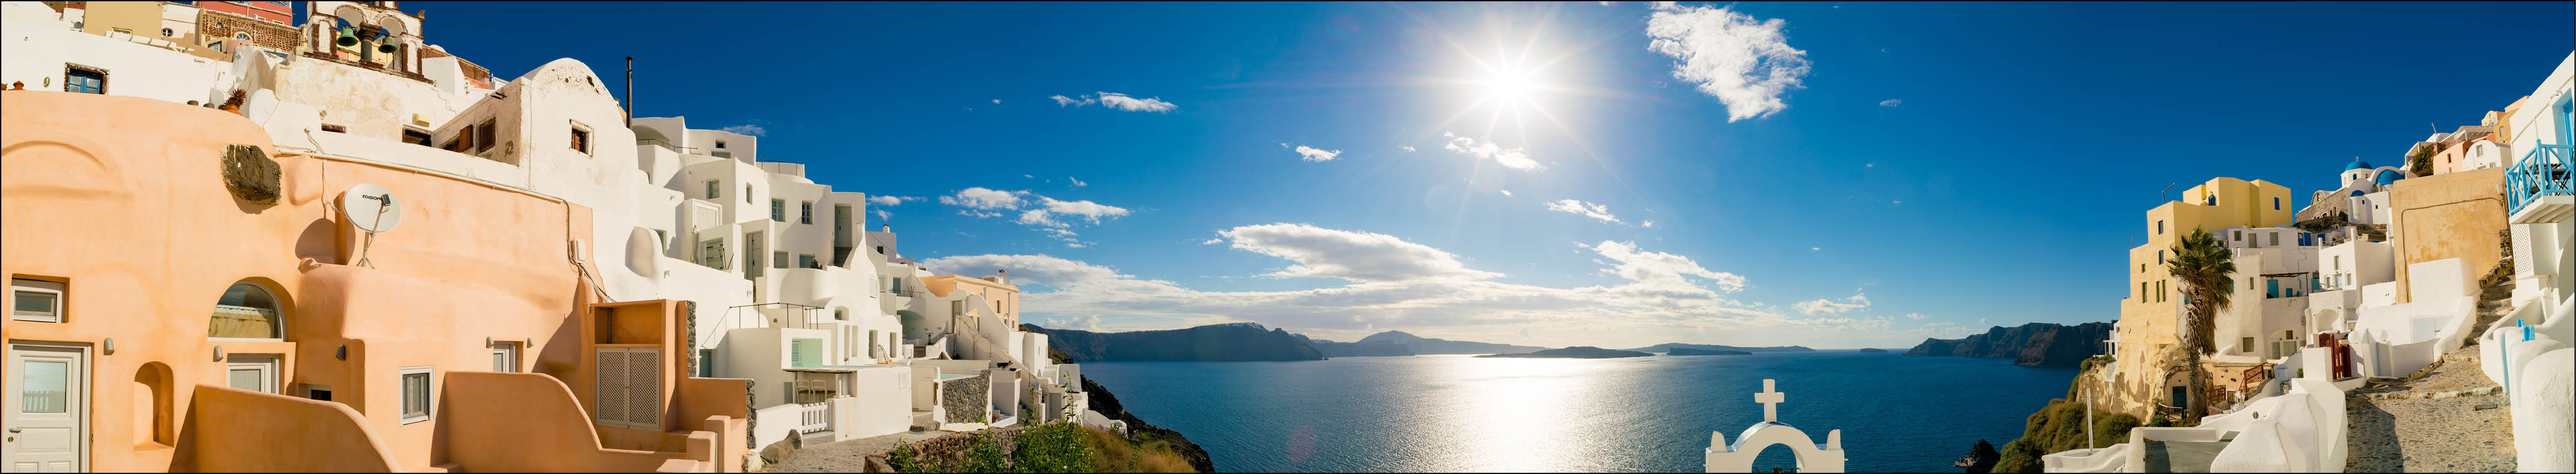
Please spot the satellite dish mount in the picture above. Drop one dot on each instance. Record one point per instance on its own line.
(372, 209)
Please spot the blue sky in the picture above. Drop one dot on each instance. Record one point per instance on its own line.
(1955, 166)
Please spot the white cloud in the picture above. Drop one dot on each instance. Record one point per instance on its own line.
(884, 214)
(1660, 268)
(1407, 148)
(1506, 192)
(1646, 224)
(982, 198)
(747, 129)
(1314, 154)
(1039, 217)
(1087, 209)
(1212, 241)
(997, 101)
(1074, 245)
(1815, 248)
(1856, 302)
(1890, 103)
(979, 214)
(1514, 158)
(1587, 209)
(1913, 315)
(1076, 182)
(884, 200)
(1354, 256)
(1118, 101)
(1745, 62)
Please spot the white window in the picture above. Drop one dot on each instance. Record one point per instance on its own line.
(415, 394)
(253, 372)
(505, 357)
(35, 300)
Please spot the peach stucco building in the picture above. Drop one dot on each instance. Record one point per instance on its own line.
(184, 299)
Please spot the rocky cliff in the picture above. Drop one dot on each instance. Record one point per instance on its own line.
(1576, 352)
(2035, 344)
(1425, 345)
(1107, 404)
(1685, 351)
(1354, 349)
(1219, 342)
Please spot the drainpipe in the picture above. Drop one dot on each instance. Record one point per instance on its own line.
(630, 92)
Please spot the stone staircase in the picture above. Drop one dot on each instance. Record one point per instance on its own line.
(2495, 289)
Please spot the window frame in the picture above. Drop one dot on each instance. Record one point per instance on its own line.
(428, 397)
(581, 138)
(778, 259)
(60, 291)
(273, 298)
(806, 215)
(484, 134)
(713, 187)
(69, 68)
(777, 210)
(509, 350)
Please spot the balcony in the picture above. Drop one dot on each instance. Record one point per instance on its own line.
(2542, 186)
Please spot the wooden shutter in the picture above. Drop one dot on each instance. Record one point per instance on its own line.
(644, 388)
(611, 377)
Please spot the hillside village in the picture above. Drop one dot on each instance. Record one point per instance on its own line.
(2398, 322)
(326, 235)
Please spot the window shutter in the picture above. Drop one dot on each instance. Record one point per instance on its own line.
(611, 377)
(644, 389)
(801, 352)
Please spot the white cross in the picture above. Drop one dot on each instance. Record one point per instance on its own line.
(1770, 400)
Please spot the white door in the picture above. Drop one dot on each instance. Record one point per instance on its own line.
(253, 372)
(48, 402)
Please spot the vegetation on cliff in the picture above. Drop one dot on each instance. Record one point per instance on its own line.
(2059, 426)
(1050, 447)
(1146, 434)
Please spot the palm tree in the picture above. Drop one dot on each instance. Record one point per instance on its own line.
(2204, 269)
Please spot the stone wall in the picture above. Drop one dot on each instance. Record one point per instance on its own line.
(967, 398)
(215, 26)
(947, 450)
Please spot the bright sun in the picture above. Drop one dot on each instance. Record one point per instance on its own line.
(1509, 86)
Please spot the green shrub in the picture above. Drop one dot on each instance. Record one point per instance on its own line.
(986, 455)
(2059, 427)
(1053, 447)
(905, 458)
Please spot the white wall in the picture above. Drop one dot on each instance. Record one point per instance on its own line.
(39, 46)
(882, 403)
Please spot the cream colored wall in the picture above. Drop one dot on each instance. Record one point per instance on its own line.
(2149, 328)
(2454, 215)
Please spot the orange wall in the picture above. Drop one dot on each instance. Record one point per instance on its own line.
(234, 430)
(2452, 215)
(121, 198)
(1005, 298)
(541, 428)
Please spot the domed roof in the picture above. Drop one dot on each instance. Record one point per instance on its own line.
(2357, 164)
(2388, 177)
(2356, 192)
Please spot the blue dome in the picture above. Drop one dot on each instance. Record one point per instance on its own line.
(2357, 165)
(2356, 192)
(2388, 177)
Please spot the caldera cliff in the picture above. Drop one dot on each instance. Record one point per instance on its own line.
(2034, 344)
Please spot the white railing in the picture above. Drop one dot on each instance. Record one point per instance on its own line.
(813, 417)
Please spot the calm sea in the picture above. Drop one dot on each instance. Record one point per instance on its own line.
(1644, 414)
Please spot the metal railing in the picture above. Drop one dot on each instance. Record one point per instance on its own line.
(2545, 171)
(793, 315)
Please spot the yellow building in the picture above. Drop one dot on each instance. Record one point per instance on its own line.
(2150, 316)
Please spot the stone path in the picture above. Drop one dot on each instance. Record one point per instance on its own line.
(846, 456)
(2429, 422)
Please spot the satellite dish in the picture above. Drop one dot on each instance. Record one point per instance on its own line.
(371, 208)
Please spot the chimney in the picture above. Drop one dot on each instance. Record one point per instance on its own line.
(1005, 274)
(885, 228)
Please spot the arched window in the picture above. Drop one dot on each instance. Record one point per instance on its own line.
(241, 36)
(247, 311)
(166, 33)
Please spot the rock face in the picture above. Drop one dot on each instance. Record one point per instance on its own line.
(1354, 349)
(1219, 342)
(2034, 344)
(1669, 346)
(1107, 404)
(1685, 351)
(1576, 352)
(1425, 345)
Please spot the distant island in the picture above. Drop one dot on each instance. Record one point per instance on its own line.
(1685, 351)
(2034, 344)
(1669, 346)
(1576, 352)
(1354, 349)
(1216, 342)
(1872, 350)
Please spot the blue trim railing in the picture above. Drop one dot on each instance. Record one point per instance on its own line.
(2547, 170)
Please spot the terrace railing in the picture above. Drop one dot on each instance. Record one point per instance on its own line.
(2546, 171)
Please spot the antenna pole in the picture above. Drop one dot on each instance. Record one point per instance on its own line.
(630, 92)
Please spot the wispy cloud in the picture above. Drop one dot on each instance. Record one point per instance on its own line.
(885, 200)
(747, 129)
(985, 199)
(1314, 154)
(1913, 315)
(1407, 148)
(1118, 101)
(1745, 62)
(1856, 302)
(1587, 209)
(1891, 103)
(1648, 223)
(1514, 158)
(1506, 192)
(1076, 182)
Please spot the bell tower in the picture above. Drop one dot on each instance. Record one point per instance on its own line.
(374, 35)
